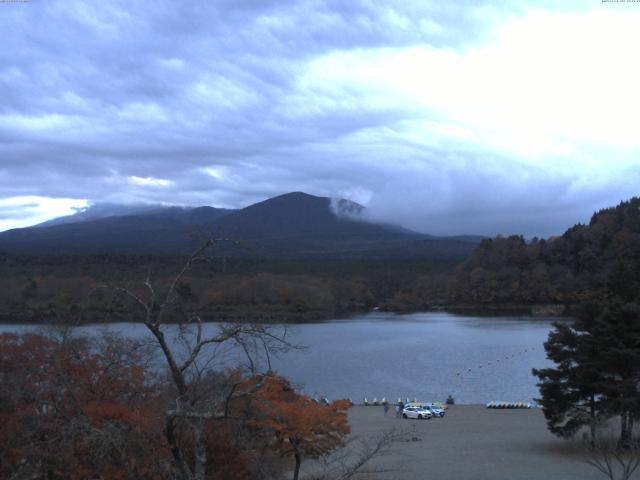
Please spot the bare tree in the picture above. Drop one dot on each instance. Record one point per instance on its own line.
(609, 458)
(355, 459)
(201, 396)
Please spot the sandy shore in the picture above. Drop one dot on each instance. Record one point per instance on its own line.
(475, 443)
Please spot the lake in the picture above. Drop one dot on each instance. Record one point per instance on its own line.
(423, 355)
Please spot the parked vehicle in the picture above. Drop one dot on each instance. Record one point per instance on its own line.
(437, 412)
(440, 405)
(435, 409)
(416, 412)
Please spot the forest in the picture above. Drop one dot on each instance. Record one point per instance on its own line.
(551, 275)
(584, 264)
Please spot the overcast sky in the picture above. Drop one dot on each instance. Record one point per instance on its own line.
(446, 117)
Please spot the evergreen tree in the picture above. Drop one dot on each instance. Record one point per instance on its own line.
(616, 331)
(597, 373)
(571, 392)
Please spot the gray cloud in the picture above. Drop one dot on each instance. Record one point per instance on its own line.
(209, 99)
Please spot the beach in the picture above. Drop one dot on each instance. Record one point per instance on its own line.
(474, 443)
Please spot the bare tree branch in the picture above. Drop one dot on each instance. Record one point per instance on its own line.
(610, 459)
(358, 454)
(200, 398)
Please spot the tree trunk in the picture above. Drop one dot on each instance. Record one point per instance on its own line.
(592, 428)
(183, 468)
(624, 430)
(176, 374)
(200, 449)
(630, 437)
(592, 425)
(296, 470)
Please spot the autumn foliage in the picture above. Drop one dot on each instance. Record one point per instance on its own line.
(297, 426)
(74, 408)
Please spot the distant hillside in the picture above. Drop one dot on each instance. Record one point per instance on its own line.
(586, 262)
(103, 210)
(294, 225)
(156, 231)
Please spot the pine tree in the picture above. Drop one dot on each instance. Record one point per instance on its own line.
(616, 331)
(571, 392)
(597, 373)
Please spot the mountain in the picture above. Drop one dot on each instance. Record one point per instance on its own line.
(102, 210)
(300, 215)
(294, 225)
(158, 231)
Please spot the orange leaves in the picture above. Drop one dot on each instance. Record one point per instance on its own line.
(87, 409)
(74, 405)
(215, 296)
(101, 412)
(298, 424)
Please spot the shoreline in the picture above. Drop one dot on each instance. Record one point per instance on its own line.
(288, 317)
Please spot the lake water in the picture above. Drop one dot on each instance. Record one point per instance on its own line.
(422, 355)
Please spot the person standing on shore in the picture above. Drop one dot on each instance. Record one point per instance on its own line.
(386, 409)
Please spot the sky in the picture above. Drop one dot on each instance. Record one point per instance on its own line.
(462, 117)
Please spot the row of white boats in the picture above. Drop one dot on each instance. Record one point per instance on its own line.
(497, 404)
(408, 401)
(384, 401)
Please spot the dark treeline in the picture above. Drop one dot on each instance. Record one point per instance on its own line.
(42, 289)
(586, 263)
(502, 273)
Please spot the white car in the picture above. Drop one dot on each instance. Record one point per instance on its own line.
(437, 412)
(416, 412)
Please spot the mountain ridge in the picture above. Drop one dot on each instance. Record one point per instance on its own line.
(296, 225)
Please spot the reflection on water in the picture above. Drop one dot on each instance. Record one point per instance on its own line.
(423, 355)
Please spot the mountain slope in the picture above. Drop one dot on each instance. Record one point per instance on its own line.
(294, 225)
(298, 215)
(305, 226)
(102, 210)
(164, 231)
